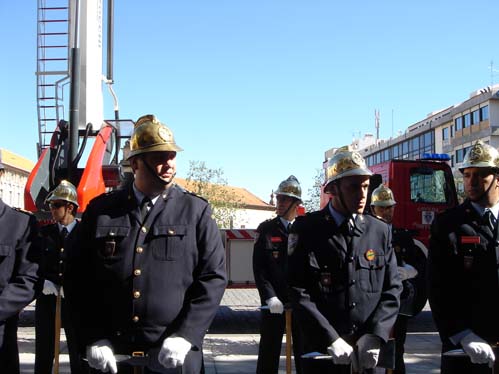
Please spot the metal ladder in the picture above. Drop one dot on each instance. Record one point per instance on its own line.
(53, 52)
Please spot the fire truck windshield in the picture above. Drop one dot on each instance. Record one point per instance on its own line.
(429, 186)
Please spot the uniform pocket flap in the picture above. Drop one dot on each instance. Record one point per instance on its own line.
(170, 230)
(371, 259)
(110, 231)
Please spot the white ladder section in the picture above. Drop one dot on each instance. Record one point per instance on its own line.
(53, 62)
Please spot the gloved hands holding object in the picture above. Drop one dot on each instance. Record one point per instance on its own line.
(479, 351)
(100, 356)
(275, 305)
(173, 352)
(340, 351)
(368, 347)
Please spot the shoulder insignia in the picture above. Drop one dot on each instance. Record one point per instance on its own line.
(21, 210)
(182, 189)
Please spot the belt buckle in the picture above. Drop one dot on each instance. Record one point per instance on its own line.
(138, 354)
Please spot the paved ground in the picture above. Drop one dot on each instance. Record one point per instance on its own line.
(231, 345)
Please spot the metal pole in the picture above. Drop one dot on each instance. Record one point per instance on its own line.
(57, 331)
(289, 342)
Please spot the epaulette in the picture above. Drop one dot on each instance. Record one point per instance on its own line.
(186, 191)
(21, 210)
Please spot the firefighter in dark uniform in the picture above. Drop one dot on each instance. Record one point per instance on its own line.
(56, 247)
(152, 266)
(19, 255)
(269, 268)
(343, 274)
(463, 269)
(383, 207)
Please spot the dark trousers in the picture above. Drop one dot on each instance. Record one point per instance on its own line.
(400, 333)
(45, 335)
(9, 352)
(272, 328)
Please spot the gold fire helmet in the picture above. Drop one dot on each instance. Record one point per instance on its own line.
(345, 163)
(481, 155)
(382, 196)
(290, 187)
(65, 191)
(150, 135)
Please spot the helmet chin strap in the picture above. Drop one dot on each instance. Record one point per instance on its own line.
(486, 192)
(293, 204)
(155, 175)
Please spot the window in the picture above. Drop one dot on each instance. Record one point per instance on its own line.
(445, 133)
(386, 154)
(458, 123)
(429, 186)
(475, 117)
(395, 151)
(405, 149)
(484, 113)
(460, 155)
(467, 120)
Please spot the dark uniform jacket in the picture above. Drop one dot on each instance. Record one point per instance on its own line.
(19, 253)
(463, 274)
(143, 283)
(339, 292)
(55, 252)
(270, 254)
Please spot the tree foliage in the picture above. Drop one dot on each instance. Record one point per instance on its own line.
(314, 193)
(212, 185)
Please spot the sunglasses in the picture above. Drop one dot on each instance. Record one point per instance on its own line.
(56, 205)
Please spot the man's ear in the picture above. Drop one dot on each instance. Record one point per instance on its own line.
(134, 163)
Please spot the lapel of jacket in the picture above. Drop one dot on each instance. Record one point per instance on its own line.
(337, 238)
(132, 206)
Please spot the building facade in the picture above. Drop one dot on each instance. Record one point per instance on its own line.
(16, 170)
(452, 131)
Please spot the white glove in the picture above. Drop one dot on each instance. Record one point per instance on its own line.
(100, 356)
(173, 351)
(407, 272)
(340, 351)
(368, 351)
(49, 288)
(275, 305)
(479, 350)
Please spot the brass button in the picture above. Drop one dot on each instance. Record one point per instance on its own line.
(136, 294)
(171, 232)
(143, 229)
(62, 249)
(60, 274)
(135, 319)
(139, 250)
(61, 261)
(137, 272)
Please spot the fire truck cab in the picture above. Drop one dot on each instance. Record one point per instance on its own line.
(422, 188)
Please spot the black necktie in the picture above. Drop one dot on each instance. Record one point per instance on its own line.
(63, 233)
(489, 220)
(346, 229)
(145, 207)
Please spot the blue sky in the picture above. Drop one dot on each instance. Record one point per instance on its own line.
(261, 89)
